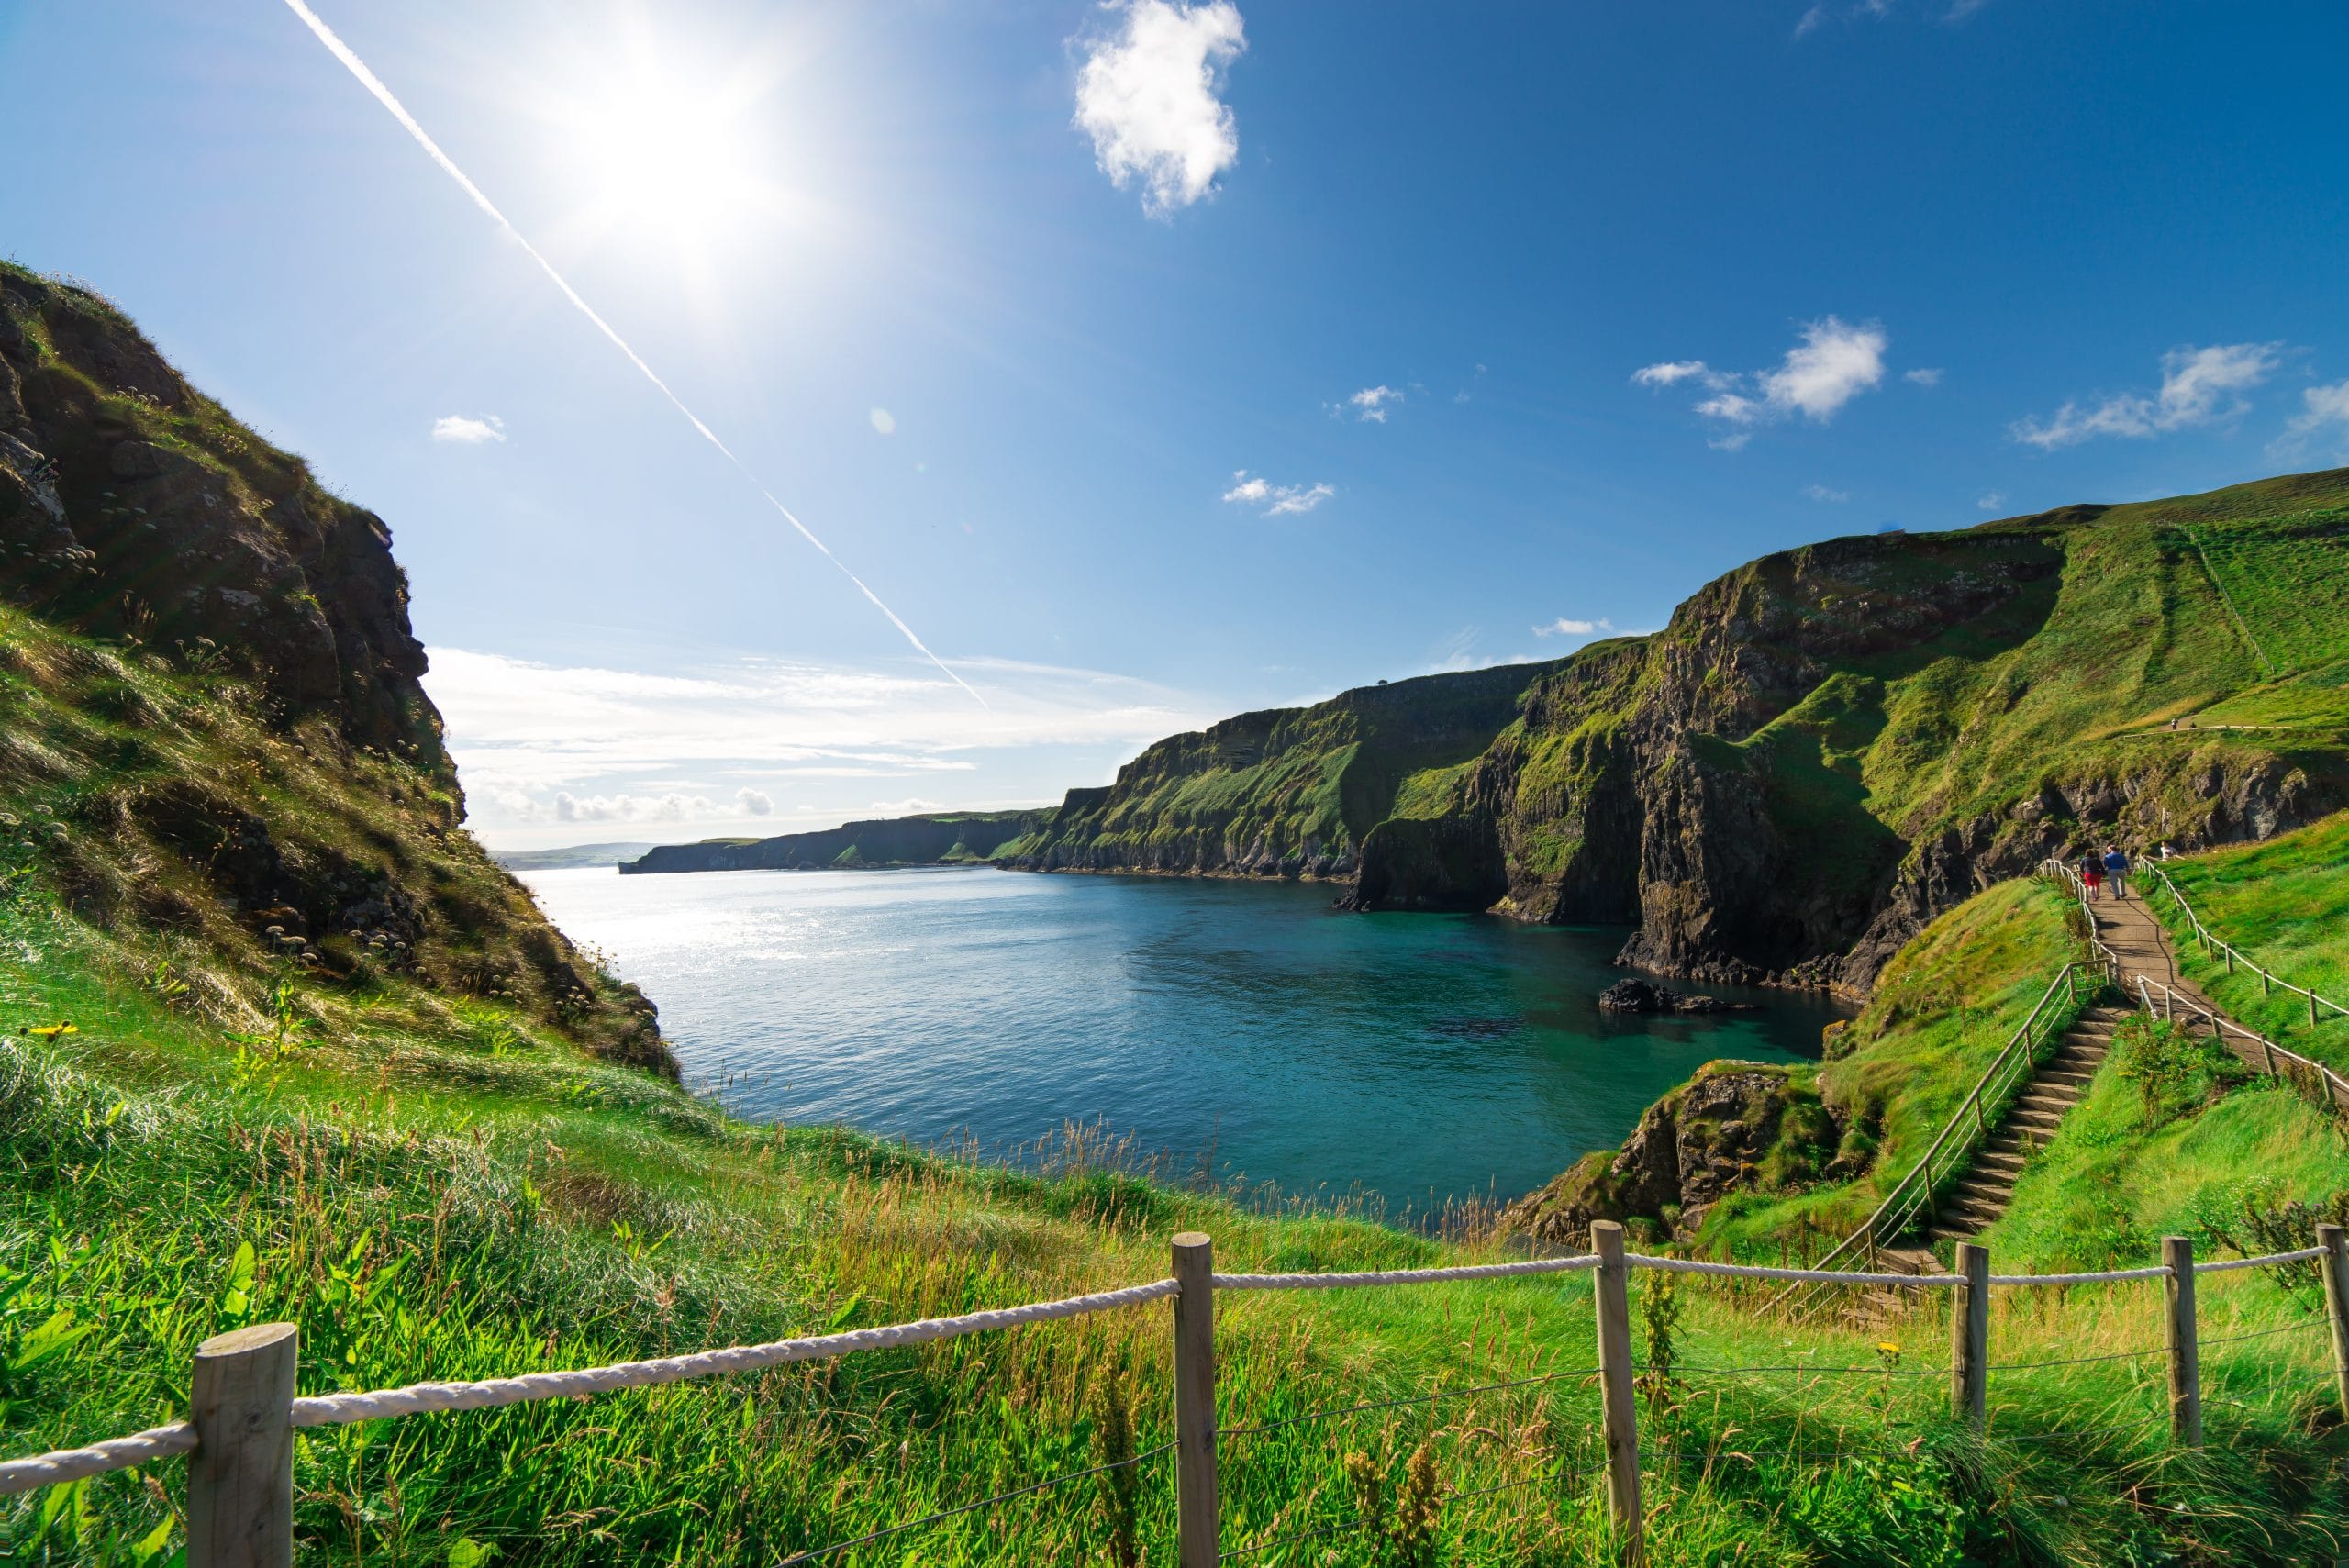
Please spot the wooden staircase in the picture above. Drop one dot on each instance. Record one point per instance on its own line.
(1981, 1195)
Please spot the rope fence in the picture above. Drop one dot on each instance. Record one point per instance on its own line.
(243, 1409)
(2219, 948)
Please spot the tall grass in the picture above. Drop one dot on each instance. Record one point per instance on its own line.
(420, 1221)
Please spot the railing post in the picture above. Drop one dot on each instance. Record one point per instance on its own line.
(2335, 1267)
(2185, 1353)
(1969, 1337)
(1199, 1526)
(241, 1477)
(1619, 1407)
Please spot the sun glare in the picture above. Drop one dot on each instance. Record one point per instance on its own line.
(665, 151)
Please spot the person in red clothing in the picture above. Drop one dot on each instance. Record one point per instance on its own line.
(2092, 873)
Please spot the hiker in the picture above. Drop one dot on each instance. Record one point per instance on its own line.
(2164, 849)
(2116, 870)
(2092, 874)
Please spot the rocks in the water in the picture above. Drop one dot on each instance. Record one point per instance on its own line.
(1646, 997)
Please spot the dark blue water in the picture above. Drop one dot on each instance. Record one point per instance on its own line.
(1246, 1027)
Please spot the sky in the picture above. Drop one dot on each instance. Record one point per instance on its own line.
(788, 412)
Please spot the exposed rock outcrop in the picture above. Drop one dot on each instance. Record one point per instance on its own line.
(214, 692)
(1735, 1125)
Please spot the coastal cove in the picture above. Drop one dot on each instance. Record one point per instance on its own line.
(1242, 1028)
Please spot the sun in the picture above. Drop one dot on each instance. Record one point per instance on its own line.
(663, 149)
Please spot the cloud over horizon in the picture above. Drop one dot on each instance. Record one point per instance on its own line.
(1147, 95)
(2199, 386)
(538, 745)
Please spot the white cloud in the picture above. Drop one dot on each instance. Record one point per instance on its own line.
(2321, 406)
(1568, 625)
(714, 744)
(1146, 94)
(1670, 372)
(1820, 493)
(1811, 19)
(1371, 402)
(884, 421)
(907, 807)
(1831, 365)
(670, 808)
(465, 430)
(2198, 387)
(1834, 362)
(1991, 501)
(1287, 500)
(1923, 377)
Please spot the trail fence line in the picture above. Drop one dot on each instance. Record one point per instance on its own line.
(2219, 948)
(239, 1433)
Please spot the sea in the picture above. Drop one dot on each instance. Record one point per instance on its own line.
(1246, 1034)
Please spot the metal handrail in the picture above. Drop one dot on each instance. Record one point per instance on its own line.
(2218, 947)
(1970, 1124)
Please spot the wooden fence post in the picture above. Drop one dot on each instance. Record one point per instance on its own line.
(2335, 1265)
(1619, 1404)
(2185, 1353)
(241, 1477)
(1198, 1525)
(1969, 1337)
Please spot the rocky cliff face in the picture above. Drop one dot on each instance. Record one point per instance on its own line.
(212, 694)
(1286, 792)
(944, 838)
(1735, 1127)
(1830, 747)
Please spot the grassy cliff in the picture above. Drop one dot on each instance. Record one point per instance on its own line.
(1286, 792)
(944, 837)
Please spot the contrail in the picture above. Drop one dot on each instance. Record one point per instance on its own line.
(374, 84)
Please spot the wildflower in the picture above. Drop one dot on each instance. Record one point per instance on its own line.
(50, 1031)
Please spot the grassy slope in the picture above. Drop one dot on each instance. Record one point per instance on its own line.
(1293, 783)
(1943, 1009)
(426, 1206)
(2286, 903)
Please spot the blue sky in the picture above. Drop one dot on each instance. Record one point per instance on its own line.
(1156, 363)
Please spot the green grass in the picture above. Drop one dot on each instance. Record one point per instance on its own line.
(2284, 903)
(1943, 1009)
(420, 1215)
(2173, 1138)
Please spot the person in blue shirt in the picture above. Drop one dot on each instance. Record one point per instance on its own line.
(2116, 870)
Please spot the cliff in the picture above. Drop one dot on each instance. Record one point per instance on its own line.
(215, 725)
(1830, 747)
(943, 839)
(1285, 792)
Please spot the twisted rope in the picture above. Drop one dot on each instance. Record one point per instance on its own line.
(1405, 1276)
(2218, 1268)
(115, 1454)
(424, 1398)
(420, 1399)
(1831, 1277)
(2159, 1271)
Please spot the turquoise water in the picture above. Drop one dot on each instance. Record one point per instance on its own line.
(1245, 1026)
